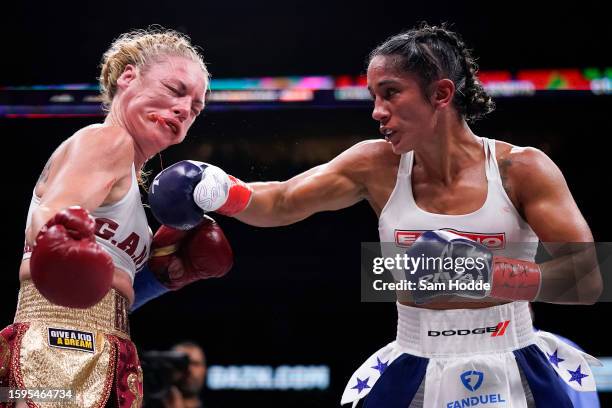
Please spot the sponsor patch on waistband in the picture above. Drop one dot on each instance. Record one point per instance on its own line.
(72, 339)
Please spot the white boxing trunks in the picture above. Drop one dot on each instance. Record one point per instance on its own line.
(459, 358)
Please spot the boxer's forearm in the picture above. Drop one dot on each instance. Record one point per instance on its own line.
(276, 204)
(322, 188)
(270, 206)
(572, 279)
(40, 216)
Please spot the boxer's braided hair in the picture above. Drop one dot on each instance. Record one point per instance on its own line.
(435, 52)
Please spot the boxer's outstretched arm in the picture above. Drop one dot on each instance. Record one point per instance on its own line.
(549, 208)
(331, 186)
(82, 173)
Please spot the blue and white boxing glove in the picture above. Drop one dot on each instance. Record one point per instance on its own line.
(181, 194)
(450, 264)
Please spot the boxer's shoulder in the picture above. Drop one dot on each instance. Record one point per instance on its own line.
(371, 154)
(106, 140)
(373, 147)
(104, 148)
(524, 157)
(368, 164)
(526, 172)
(520, 162)
(108, 148)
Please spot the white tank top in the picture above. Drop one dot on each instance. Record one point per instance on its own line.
(121, 229)
(497, 224)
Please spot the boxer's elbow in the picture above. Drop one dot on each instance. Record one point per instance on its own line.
(589, 281)
(592, 291)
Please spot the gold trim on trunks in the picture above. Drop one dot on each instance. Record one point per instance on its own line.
(110, 315)
(134, 382)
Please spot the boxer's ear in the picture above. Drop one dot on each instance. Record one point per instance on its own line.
(442, 93)
(130, 73)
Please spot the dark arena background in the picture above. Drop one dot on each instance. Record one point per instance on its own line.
(286, 326)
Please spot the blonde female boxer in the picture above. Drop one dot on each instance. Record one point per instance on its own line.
(87, 234)
(436, 185)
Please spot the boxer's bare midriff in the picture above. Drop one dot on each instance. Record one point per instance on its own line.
(121, 280)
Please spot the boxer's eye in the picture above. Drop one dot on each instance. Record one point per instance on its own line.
(172, 89)
(390, 92)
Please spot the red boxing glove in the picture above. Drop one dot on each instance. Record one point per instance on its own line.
(67, 266)
(515, 279)
(179, 257)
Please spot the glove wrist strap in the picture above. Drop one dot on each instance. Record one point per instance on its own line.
(238, 198)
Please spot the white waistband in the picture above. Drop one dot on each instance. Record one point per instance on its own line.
(463, 332)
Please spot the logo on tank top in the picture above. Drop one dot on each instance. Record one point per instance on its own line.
(405, 238)
(106, 229)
